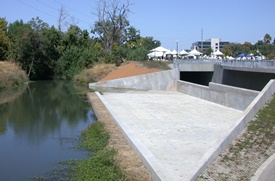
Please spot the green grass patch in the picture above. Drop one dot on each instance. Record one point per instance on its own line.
(94, 138)
(99, 166)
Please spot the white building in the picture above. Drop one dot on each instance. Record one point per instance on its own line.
(214, 43)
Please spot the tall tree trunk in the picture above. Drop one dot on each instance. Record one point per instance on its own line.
(30, 68)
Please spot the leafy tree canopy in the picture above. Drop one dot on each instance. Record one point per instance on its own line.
(4, 40)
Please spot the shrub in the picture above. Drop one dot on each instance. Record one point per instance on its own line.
(11, 75)
(95, 73)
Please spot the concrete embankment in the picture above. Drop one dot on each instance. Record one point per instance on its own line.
(243, 102)
(164, 80)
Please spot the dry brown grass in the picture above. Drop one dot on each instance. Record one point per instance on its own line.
(95, 73)
(11, 75)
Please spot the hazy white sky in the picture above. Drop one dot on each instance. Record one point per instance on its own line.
(166, 20)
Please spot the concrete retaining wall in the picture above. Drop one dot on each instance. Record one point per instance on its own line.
(218, 74)
(229, 96)
(235, 129)
(164, 80)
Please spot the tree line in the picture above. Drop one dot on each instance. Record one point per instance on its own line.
(46, 52)
(262, 47)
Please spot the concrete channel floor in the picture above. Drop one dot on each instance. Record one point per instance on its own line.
(177, 129)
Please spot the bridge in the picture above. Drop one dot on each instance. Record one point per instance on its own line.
(246, 74)
(178, 125)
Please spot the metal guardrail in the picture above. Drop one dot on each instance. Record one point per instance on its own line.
(270, 64)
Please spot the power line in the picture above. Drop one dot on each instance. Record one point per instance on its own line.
(80, 12)
(51, 7)
(36, 9)
(47, 5)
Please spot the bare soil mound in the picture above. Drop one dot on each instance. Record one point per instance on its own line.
(127, 70)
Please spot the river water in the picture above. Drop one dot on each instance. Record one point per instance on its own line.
(39, 126)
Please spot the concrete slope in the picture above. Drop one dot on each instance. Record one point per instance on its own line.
(171, 131)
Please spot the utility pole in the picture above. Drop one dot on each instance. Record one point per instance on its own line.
(202, 39)
(177, 49)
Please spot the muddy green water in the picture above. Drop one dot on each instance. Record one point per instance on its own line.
(39, 126)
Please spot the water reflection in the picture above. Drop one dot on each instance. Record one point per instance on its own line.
(35, 124)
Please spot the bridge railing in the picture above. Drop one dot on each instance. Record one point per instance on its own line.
(234, 63)
(250, 64)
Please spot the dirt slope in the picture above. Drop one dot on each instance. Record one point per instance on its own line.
(127, 70)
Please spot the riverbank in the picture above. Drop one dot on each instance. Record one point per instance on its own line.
(130, 163)
(11, 75)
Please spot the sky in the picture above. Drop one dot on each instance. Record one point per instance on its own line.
(172, 22)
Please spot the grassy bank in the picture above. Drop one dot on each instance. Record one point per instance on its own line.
(11, 75)
(100, 164)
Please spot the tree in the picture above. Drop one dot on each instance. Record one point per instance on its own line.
(51, 39)
(227, 50)
(18, 33)
(149, 43)
(233, 49)
(63, 15)
(77, 52)
(267, 38)
(132, 34)
(247, 47)
(34, 46)
(112, 22)
(4, 40)
(209, 51)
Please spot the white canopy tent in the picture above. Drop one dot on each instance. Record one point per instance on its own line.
(174, 52)
(194, 52)
(155, 54)
(160, 49)
(168, 53)
(217, 53)
(159, 52)
(183, 52)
